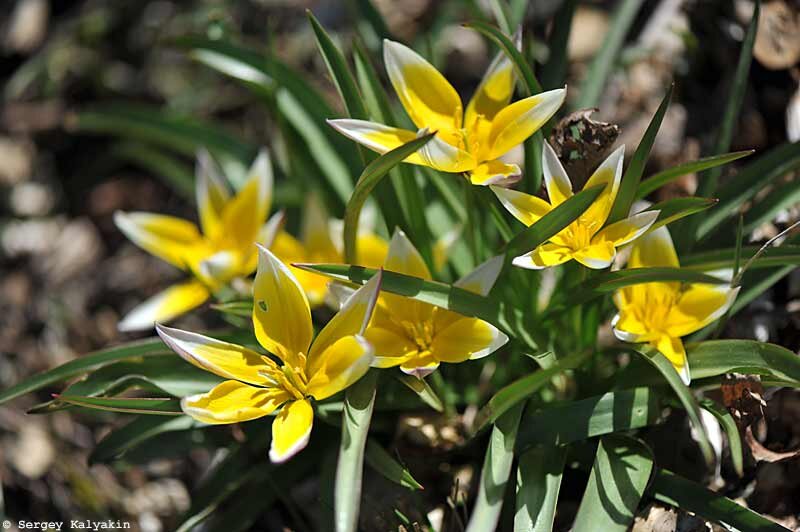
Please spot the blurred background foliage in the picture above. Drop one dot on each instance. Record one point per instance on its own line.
(67, 275)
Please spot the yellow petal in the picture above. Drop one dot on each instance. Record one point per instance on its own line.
(232, 402)
(165, 306)
(559, 187)
(281, 315)
(596, 256)
(229, 361)
(627, 327)
(525, 208)
(316, 232)
(291, 430)
(403, 257)
(166, 237)
(211, 193)
(544, 256)
(372, 250)
(521, 119)
(628, 230)
(655, 249)
(221, 267)
(246, 213)
(421, 365)
(426, 95)
(443, 245)
(493, 93)
(352, 319)
(482, 278)
(698, 306)
(609, 173)
(340, 365)
(467, 339)
(495, 172)
(391, 348)
(672, 348)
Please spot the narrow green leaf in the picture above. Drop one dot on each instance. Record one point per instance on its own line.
(554, 71)
(617, 483)
(551, 223)
(633, 175)
(579, 420)
(656, 181)
(785, 255)
(423, 390)
(780, 198)
(496, 472)
(523, 388)
(603, 63)
(242, 309)
(358, 405)
(674, 209)
(339, 71)
(538, 482)
(368, 12)
(369, 178)
(685, 395)
(506, 44)
(679, 492)
(717, 357)
(382, 462)
(728, 424)
(159, 406)
(137, 431)
(708, 183)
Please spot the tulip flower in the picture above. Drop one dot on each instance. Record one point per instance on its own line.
(255, 384)
(585, 239)
(660, 313)
(221, 252)
(469, 142)
(419, 336)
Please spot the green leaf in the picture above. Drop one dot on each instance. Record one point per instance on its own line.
(368, 12)
(339, 71)
(785, 255)
(579, 420)
(137, 431)
(728, 424)
(538, 482)
(177, 174)
(780, 198)
(676, 208)
(685, 396)
(717, 357)
(521, 389)
(524, 70)
(603, 63)
(633, 175)
(358, 404)
(553, 222)
(382, 462)
(748, 182)
(423, 390)
(617, 483)
(369, 178)
(159, 406)
(679, 492)
(708, 183)
(242, 309)
(554, 71)
(656, 181)
(496, 472)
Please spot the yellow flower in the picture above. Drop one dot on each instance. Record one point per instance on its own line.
(660, 313)
(224, 250)
(585, 239)
(418, 336)
(468, 141)
(321, 241)
(258, 386)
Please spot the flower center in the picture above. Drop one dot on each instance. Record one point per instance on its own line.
(291, 378)
(421, 333)
(658, 304)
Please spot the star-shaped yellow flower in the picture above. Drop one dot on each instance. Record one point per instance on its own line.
(661, 313)
(418, 336)
(224, 250)
(468, 141)
(257, 385)
(585, 239)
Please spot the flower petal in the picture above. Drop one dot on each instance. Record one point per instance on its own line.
(403, 257)
(164, 306)
(316, 233)
(341, 364)
(281, 315)
(655, 249)
(352, 319)
(495, 172)
(246, 213)
(229, 361)
(544, 256)
(609, 173)
(426, 95)
(596, 256)
(421, 365)
(494, 92)
(211, 192)
(371, 250)
(521, 119)
(232, 402)
(391, 348)
(628, 230)
(482, 278)
(624, 326)
(559, 187)
(672, 348)
(166, 237)
(291, 430)
(525, 207)
(700, 305)
(467, 339)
